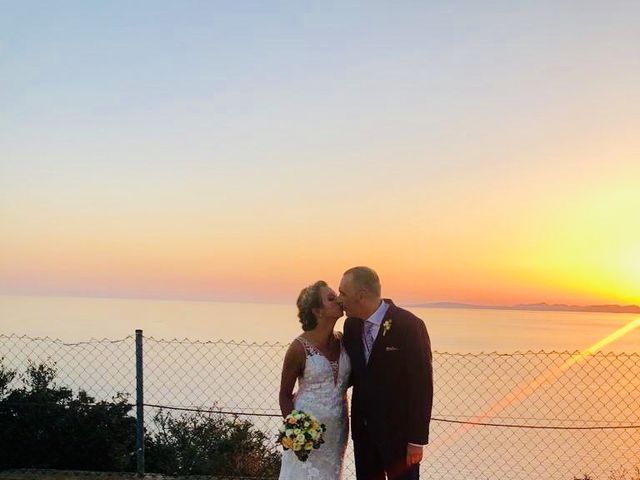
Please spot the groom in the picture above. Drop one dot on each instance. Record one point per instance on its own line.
(392, 380)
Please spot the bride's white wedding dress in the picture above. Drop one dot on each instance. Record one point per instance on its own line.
(322, 391)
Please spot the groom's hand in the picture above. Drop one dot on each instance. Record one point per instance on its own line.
(414, 454)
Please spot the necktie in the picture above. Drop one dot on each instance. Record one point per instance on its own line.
(368, 339)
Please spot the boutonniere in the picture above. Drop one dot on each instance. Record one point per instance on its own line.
(386, 327)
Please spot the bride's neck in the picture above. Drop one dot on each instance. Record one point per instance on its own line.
(322, 335)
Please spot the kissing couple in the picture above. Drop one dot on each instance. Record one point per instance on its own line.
(385, 355)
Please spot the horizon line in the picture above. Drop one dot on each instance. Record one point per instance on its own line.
(414, 304)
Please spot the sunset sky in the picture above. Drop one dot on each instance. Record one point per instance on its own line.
(484, 152)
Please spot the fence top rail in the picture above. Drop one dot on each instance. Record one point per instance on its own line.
(245, 343)
(59, 341)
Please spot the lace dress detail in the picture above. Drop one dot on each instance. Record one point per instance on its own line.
(311, 350)
(322, 391)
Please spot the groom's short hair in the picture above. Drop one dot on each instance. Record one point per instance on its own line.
(365, 278)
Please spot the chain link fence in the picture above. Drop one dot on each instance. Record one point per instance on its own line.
(524, 415)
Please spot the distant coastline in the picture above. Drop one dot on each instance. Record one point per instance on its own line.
(555, 307)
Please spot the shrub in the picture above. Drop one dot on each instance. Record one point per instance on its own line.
(209, 444)
(45, 426)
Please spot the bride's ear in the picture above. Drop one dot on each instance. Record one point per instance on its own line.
(317, 312)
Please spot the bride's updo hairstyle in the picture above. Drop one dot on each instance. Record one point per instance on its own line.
(310, 298)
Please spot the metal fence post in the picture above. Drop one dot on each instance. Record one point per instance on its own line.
(139, 405)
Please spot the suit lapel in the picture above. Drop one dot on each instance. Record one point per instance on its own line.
(359, 345)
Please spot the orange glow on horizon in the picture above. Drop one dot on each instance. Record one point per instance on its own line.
(575, 244)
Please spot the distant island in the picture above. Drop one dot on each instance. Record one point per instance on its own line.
(556, 307)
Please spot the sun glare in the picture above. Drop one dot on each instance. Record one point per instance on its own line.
(523, 391)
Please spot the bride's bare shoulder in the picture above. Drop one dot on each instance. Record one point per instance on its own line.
(296, 347)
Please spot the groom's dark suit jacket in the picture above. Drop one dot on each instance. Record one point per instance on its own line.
(392, 393)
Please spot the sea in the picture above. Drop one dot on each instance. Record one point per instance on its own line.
(451, 330)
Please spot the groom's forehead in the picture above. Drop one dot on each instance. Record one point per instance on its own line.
(345, 283)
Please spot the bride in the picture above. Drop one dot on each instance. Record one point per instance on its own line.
(320, 364)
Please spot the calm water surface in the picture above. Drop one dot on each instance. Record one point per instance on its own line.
(451, 330)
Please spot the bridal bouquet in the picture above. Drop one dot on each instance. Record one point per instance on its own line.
(301, 432)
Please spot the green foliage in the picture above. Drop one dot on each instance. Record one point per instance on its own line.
(46, 426)
(199, 444)
(6, 377)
